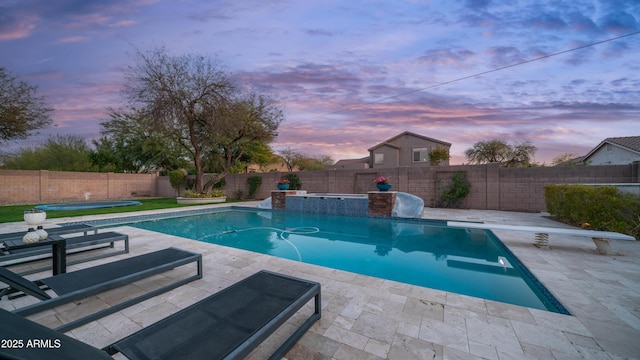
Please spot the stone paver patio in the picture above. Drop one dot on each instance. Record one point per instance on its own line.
(371, 318)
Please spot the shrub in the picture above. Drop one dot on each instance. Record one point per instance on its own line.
(238, 194)
(213, 193)
(294, 182)
(176, 178)
(254, 183)
(454, 194)
(594, 207)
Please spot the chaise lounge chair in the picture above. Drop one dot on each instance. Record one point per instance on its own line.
(87, 282)
(226, 325)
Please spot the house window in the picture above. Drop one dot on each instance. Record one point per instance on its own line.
(421, 155)
(609, 147)
(378, 158)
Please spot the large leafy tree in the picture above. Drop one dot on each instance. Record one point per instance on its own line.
(257, 153)
(21, 109)
(240, 127)
(59, 153)
(129, 144)
(194, 103)
(498, 151)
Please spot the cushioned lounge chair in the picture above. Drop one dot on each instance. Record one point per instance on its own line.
(74, 245)
(226, 325)
(87, 282)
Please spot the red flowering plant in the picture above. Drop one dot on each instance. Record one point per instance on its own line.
(282, 181)
(381, 180)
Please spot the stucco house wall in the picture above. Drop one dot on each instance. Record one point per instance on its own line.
(613, 155)
(390, 154)
(408, 144)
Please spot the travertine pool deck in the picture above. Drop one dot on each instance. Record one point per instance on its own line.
(371, 318)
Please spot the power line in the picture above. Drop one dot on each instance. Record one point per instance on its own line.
(472, 76)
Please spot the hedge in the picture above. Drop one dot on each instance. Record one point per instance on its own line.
(594, 207)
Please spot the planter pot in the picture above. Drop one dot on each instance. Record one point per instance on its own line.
(34, 217)
(212, 200)
(383, 187)
(283, 186)
(31, 237)
(42, 233)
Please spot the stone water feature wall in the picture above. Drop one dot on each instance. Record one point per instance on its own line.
(328, 204)
(375, 203)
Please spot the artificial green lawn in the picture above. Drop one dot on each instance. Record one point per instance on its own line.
(15, 212)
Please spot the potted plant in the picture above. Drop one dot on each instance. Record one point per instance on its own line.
(282, 184)
(34, 216)
(382, 183)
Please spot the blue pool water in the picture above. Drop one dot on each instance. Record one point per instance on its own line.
(87, 205)
(424, 253)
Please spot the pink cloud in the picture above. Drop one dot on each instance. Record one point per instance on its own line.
(87, 20)
(71, 39)
(123, 23)
(18, 27)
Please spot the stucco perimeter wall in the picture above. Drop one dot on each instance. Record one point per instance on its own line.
(42, 186)
(492, 187)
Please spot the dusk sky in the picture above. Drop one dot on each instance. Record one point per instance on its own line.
(351, 74)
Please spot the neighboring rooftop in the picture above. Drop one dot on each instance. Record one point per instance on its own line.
(391, 141)
(629, 142)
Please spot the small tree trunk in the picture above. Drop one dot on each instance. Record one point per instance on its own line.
(199, 173)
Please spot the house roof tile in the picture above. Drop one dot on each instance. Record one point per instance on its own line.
(389, 142)
(631, 143)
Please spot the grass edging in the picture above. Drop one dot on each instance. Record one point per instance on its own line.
(15, 213)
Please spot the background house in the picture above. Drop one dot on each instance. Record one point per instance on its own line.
(403, 150)
(615, 151)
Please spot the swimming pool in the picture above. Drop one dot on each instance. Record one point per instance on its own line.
(417, 252)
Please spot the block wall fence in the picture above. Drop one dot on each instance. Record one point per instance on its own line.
(43, 187)
(492, 187)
